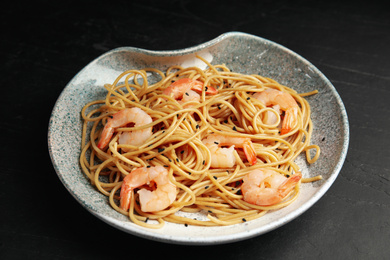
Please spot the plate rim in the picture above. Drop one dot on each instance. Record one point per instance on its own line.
(142, 232)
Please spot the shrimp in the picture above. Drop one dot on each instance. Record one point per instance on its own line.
(265, 187)
(151, 201)
(285, 102)
(224, 157)
(122, 118)
(184, 88)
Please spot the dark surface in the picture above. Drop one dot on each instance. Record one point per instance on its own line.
(44, 45)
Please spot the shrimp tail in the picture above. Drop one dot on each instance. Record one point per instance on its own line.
(289, 120)
(289, 184)
(125, 197)
(105, 137)
(250, 153)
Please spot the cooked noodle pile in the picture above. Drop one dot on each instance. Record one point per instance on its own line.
(176, 143)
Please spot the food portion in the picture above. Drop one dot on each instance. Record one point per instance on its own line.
(212, 141)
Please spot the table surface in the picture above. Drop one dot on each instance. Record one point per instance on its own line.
(44, 45)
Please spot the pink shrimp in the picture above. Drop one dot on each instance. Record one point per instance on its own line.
(122, 118)
(224, 157)
(286, 103)
(151, 201)
(265, 187)
(183, 87)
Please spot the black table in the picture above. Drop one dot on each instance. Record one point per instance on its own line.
(44, 45)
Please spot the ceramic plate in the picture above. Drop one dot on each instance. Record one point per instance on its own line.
(242, 53)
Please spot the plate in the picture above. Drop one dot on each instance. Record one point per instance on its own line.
(242, 53)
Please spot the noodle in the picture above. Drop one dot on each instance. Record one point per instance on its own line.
(176, 143)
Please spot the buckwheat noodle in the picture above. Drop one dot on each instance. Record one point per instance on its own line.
(176, 143)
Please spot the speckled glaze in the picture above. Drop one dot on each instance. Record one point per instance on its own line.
(242, 53)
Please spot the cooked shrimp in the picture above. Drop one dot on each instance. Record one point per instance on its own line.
(160, 198)
(122, 118)
(189, 96)
(271, 117)
(224, 157)
(265, 187)
(186, 87)
(286, 103)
